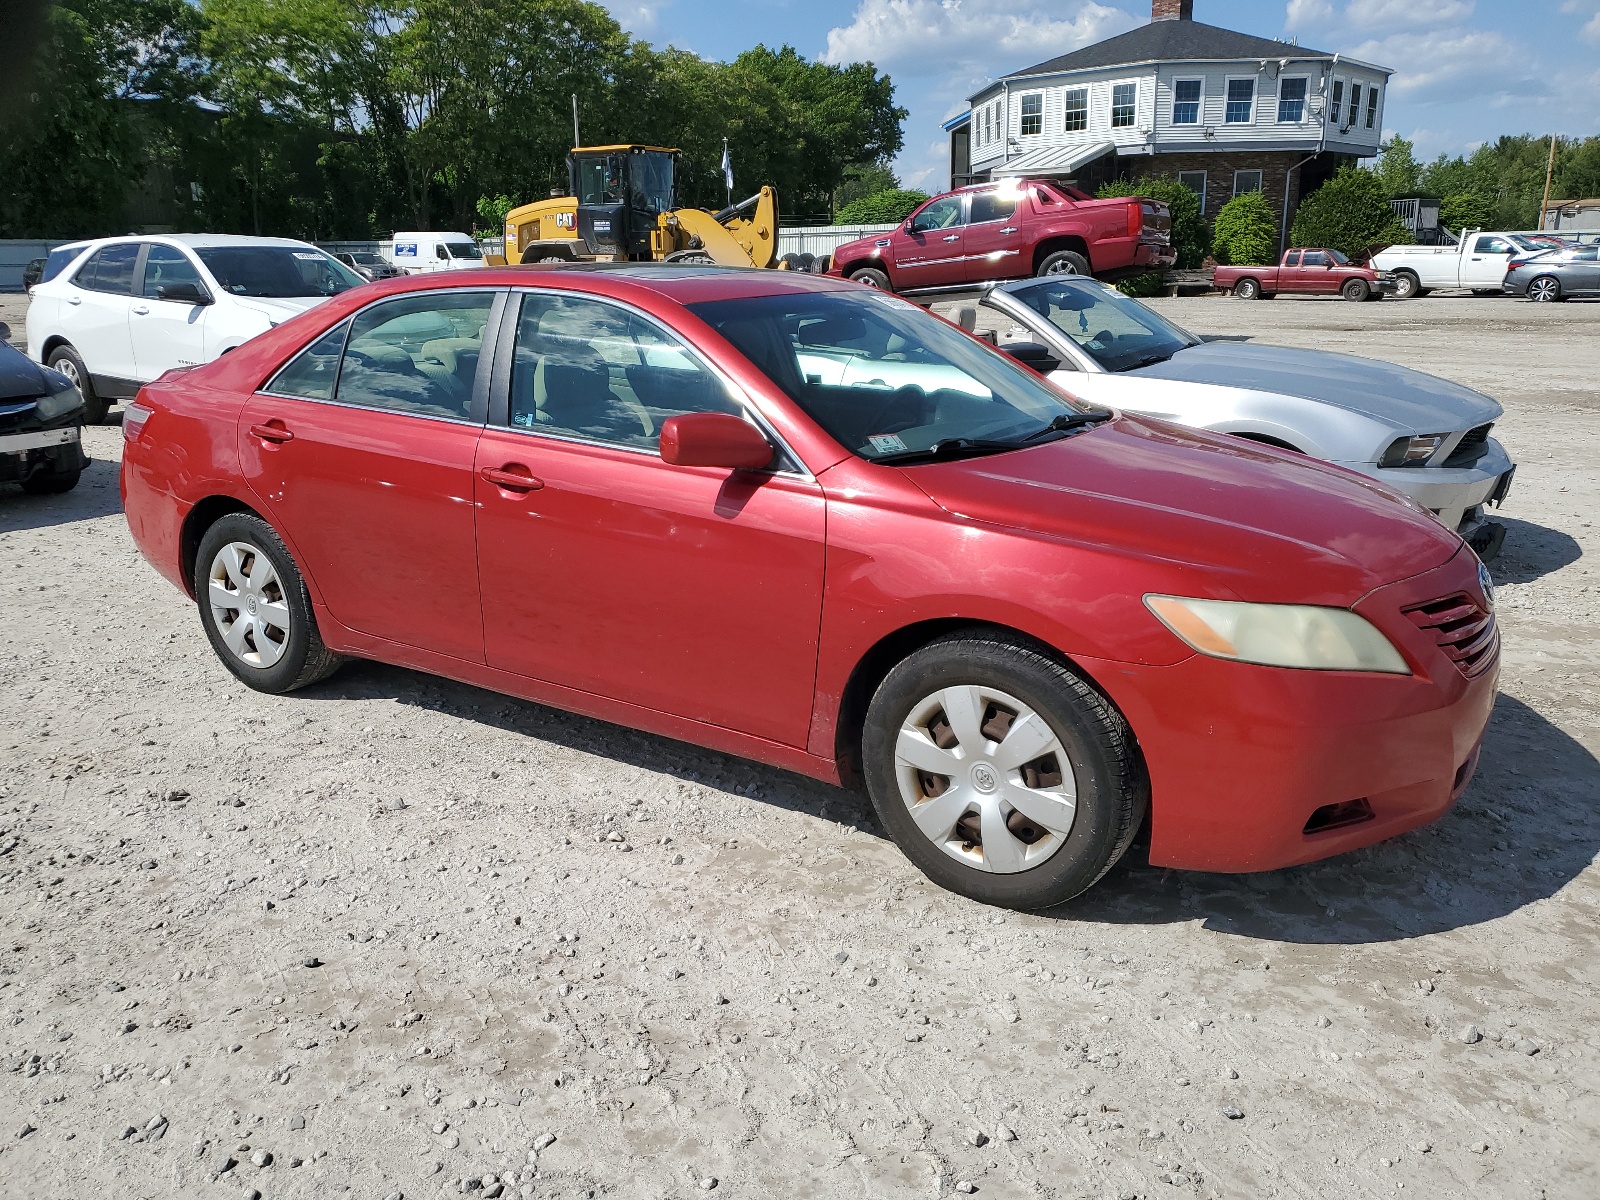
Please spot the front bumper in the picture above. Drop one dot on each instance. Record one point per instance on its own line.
(1453, 494)
(55, 451)
(1241, 757)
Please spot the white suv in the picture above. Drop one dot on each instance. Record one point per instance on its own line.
(126, 310)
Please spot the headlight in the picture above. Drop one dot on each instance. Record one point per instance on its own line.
(1305, 636)
(61, 399)
(1411, 451)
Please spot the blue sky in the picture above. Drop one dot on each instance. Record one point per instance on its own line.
(1466, 70)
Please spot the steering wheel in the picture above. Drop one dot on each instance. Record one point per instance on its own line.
(909, 399)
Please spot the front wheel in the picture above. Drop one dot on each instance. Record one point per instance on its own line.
(255, 607)
(1545, 290)
(871, 277)
(51, 483)
(1355, 290)
(1247, 289)
(1063, 262)
(1000, 772)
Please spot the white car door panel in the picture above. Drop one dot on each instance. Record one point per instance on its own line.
(1484, 264)
(95, 316)
(167, 333)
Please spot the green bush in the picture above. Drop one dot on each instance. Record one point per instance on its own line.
(1350, 213)
(1466, 210)
(1191, 238)
(1246, 231)
(880, 208)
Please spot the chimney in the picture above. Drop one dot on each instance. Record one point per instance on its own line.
(1172, 10)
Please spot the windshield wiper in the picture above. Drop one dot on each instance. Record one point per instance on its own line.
(949, 448)
(1149, 360)
(1066, 422)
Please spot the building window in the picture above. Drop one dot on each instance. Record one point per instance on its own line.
(1355, 105)
(1195, 181)
(986, 129)
(1241, 101)
(1032, 113)
(1077, 110)
(1372, 106)
(1292, 99)
(1246, 181)
(1186, 102)
(1123, 98)
(1338, 101)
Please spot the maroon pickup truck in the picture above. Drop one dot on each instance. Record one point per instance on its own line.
(1011, 230)
(1305, 273)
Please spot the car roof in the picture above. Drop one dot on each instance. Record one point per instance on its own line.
(682, 284)
(195, 241)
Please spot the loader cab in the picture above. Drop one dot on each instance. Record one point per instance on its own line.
(621, 191)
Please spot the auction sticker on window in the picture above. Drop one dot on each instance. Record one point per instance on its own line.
(886, 443)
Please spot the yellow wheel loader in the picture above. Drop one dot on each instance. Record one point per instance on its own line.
(623, 209)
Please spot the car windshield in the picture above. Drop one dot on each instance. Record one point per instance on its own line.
(1338, 257)
(277, 271)
(463, 249)
(887, 380)
(367, 260)
(1115, 330)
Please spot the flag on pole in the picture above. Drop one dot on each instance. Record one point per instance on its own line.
(727, 170)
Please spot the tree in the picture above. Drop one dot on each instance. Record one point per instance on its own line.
(1466, 210)
(863, 179)
(1246, 231)
(881, 208)
(1191, 238)
(1348, 213)
(1397, 169)
(492, 211)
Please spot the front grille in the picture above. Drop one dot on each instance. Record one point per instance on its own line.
(1463, 629)
(1474, 444)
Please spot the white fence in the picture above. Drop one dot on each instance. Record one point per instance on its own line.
(824, 239)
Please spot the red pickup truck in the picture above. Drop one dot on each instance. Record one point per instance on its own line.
(1308, 272)
(1011, 230)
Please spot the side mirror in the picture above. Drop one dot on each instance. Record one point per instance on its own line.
(1032, 354)
(183, 293)
(714, 440)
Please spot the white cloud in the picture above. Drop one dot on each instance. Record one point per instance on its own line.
(1591, 30)
(1308, 14)
(1444, 65)
(968, 39)
(1386, 16)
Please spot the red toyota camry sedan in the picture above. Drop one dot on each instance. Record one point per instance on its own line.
(805, 522)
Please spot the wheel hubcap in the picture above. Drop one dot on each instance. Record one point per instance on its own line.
(1543, 290)
(1062, 268)
(985, 779)
(248, 605)
(68, 368)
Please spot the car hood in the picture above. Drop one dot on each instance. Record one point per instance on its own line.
(1398, 395)
(1255, 523)
(279, 308)
(20, 377)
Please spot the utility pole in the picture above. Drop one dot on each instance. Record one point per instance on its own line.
(576, 140)
(1549, 170)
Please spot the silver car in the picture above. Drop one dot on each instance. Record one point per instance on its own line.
(1422, 435)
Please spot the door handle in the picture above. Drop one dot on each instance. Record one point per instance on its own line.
(74, 299)
(1009, 229)
(141, 309)
(954, 237)
(514, 477)
(273, 431)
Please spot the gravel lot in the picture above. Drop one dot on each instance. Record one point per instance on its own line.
(396, 936)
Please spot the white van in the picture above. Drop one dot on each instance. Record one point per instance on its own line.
(415, 253)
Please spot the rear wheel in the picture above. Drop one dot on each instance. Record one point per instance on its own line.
(1407, 286)
(1355, 290)
(65, 359)
(1001, 773)
(1545, 290)
(1063, 262)
(1247, 289)
(871, 277)
(255, 607)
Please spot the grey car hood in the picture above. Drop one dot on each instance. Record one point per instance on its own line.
(1409, 398)
(21, 378)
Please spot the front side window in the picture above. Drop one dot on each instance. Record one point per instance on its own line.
(591, 370)
(1077, 102)
(312, 374)
(885, 379)
(1372, 106)
(1241, 101)
(165, 266)
(1492, 245)
(651, 176)
(1314, 258)
(280, 271)
(1246, 181)
(1033, 113)
(1195, 181)
(1116, 331)
(417, 354)
(1292, 99)
(467, 250)
(1123, 98)
(996, 204)
(110, 270)
(943, 213)
(1337, 102)
(1186, 102)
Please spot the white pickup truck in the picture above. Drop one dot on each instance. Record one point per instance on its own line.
(1478, 261)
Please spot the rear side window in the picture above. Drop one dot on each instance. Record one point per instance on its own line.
(313, 372)
(166, 265)
(416, 354)
(993, 205)
(110, 270)
(57, 260)
(1293, 260)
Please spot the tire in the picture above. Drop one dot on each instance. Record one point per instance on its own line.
(1545, 290)
(1031, 865)
(1064, 262)
(51, 483)
(1247, 289)
(1407, 286)
(791, 262)
(1485, 291)
(690, 258)
(1356, 291)
(871, 277)
(65, 359)
(232, 549)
